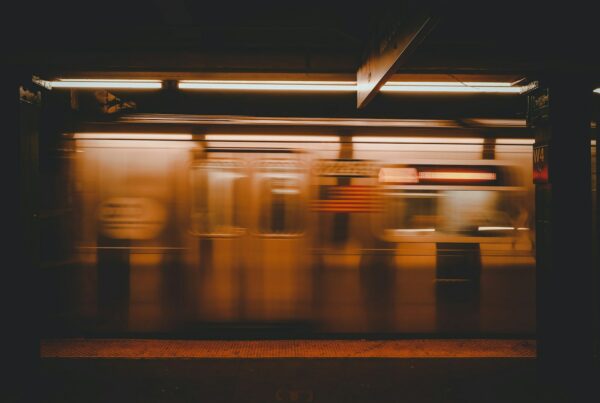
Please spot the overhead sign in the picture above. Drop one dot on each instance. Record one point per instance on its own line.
(352, 168)
(458, 175)
(541, 156)
(538, 106)
(131, 217)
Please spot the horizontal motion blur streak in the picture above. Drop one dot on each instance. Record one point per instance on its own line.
(502, 229)
(132, 136)
(286, 138)
(420, 140)
(475, 176)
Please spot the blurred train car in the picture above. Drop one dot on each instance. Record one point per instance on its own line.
(187, 234)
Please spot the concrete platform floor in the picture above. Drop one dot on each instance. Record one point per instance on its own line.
(102, 370)
(347, 380)
(420, 348)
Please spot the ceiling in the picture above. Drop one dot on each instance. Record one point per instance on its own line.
(173, 39)
(296, 36)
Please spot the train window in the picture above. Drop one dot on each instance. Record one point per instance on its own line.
(478, 213)
(217, 191)
(408, 211)
(280, 186)
(466, 199)
(474, 212)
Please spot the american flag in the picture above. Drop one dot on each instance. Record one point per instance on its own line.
(346, 199)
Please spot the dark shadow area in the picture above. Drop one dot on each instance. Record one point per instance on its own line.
(290, 380)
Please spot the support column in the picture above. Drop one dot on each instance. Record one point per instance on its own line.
(597, 237)
(560, 114)
(20, 293)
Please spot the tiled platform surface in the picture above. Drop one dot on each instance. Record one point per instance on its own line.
(421, 348)
(423, 370)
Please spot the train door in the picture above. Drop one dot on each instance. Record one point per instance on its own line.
(278, 274)
(217, 223)
(248, 214)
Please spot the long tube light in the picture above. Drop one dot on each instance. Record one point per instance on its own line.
(244, 85)
(132, 136)
(348, 86)
(106, 83)
(274, 85)
(597, 90)
(449, 83)
(451, 87)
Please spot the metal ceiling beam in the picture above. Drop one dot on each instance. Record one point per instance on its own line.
(389, 50)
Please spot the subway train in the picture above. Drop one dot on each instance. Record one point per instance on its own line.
(195, 235)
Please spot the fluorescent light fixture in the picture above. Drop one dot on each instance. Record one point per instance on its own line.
(448, 83)
(108, 84)
(244, 85)
(347, 86)
(132, 136)
(273, 85)
(597, 90)
(419, 140)
(495, 228)
(451, 87)
(271, 137)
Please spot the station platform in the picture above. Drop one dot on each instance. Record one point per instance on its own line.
(259, 349)
(102, 370)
